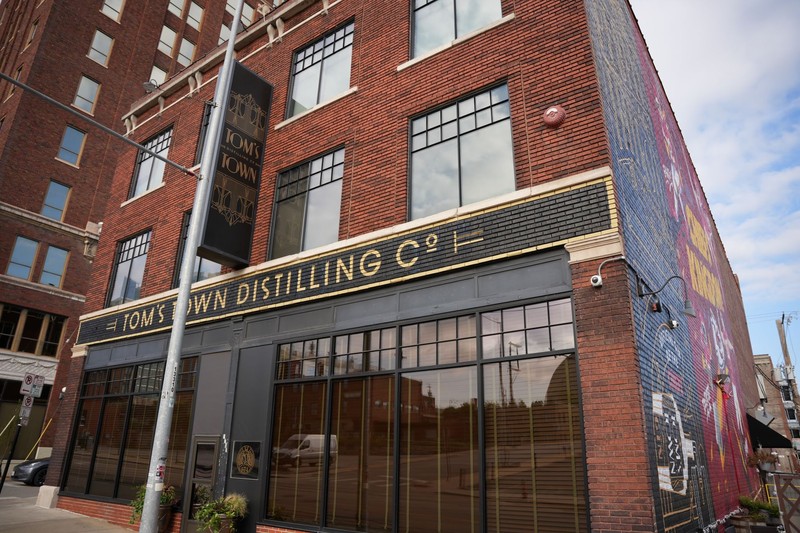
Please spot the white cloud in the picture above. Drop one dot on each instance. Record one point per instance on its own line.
(731, 70)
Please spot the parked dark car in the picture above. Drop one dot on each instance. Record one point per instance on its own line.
(32, 472)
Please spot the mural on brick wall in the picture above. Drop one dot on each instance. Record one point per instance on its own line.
(710, 349)
(695, 430)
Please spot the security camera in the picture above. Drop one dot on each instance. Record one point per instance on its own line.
(597, 281)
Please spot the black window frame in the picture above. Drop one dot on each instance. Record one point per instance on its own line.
(307, 50)
(124, 247)
(154, 144)
(181, 252)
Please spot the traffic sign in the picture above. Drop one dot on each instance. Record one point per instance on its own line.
(38, 385)
(27, 384)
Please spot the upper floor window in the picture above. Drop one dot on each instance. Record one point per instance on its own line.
(100, 50)
(126, 283)
(438, 22)
(158, 75)
(247, 11)
(86, 96)
(22, 258)
(186, 52)
(201, 138)
(55, 201)
(54, 264)
(195, 16)
(11, 86)
(462, 153)
(166, 43)
(71, 146)
(308, 198)
(224, 33)
(149, 171)
(113, 8)
(203, 268)
(321, 70)
(32, 32)
(30, 331)
(176, 7)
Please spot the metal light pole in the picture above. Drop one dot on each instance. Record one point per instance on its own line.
(158, 458)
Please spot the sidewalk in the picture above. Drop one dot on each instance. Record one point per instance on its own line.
(21, 515)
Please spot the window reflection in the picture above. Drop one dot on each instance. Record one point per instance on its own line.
(439, 479)
(533, 446)
(438, 22)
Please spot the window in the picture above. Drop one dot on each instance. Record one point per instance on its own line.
(129, 269)
(117, 417)
(224, 33)
(22, 258)
(166, 43)
(11, 86)
(786, 393)
(30, 331)
(308, 201)
(409, 402)
(55, 201)
(247, 11)
(195, 16)
(149, 171)
(32, 32)
(438, 22)
(86, 96)
(203, 268)
(462, 153)
(201, 138)
(158, 75)
(112, 9)
(186, 52)
(71, 146)
(791, 414)
(321, 70)
(100, 49)
(176, 7)
(54, 264)
(795, 433)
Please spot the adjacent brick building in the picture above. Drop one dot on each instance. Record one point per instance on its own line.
(474, 231)
(56, 169)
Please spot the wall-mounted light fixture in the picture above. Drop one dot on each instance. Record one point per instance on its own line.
(597, 280)
(688, 309)
(150, 86)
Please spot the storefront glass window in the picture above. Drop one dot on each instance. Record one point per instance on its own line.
(466, 423)
(118, 409)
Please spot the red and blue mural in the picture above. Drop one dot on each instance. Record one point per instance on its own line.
(697, 429)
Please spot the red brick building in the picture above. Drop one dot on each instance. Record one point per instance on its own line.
(56, 169)
(475, 226)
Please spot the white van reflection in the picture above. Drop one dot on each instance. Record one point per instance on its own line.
(302, 448)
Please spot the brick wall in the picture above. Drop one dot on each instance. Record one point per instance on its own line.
(618, 475)
(543, 53)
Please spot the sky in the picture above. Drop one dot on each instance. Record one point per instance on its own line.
(731, 71)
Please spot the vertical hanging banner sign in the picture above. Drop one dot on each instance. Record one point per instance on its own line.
(229, 224)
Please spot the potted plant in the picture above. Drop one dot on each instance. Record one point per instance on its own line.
(762, 459)
(222, 514)
(169, 497)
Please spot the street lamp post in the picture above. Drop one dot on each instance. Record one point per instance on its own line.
(158, 457)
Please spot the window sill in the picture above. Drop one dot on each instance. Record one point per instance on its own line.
(350, 91)
(145, 193)
(73, 165)
(46, 289)
(458, 41)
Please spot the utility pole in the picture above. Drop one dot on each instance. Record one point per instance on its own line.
(787, 361)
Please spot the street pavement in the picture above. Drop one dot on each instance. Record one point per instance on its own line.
(20, 514)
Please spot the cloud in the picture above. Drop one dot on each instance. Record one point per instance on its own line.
(731, 71)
